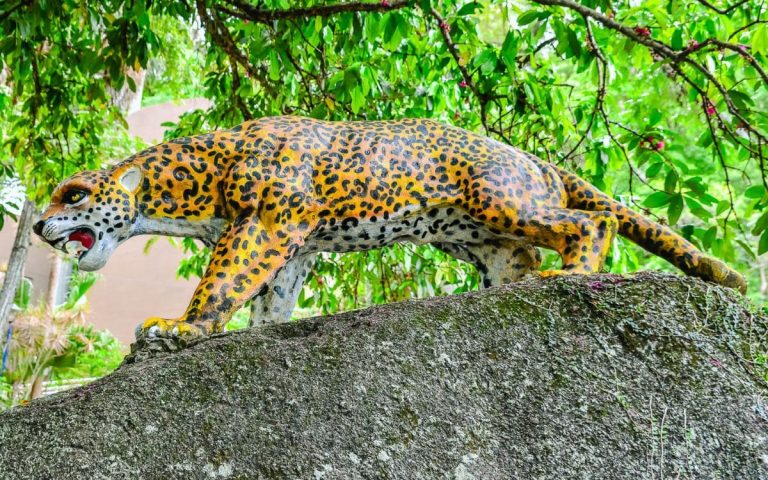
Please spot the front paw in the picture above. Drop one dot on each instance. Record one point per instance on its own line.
(156, 327)
(161, 336)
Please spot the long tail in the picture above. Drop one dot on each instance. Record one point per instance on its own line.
(656, 238)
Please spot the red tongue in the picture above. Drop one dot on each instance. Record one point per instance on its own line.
(84, 237)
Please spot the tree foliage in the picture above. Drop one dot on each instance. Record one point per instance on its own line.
(660, 103)
(58, 59)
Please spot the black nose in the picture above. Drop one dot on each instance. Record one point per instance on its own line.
(38, 227)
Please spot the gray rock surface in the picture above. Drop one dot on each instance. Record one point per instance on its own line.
(584, 377)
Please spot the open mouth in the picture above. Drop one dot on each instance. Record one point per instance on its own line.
(78, 242)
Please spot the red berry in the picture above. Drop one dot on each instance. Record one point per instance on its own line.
(463, 84)
(642, 31)
(384, 3)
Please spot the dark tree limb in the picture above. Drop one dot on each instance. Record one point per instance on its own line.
(255, 14)
(247, 115)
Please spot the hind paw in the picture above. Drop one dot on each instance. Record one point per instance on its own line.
(554, 273)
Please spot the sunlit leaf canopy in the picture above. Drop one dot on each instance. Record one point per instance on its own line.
(662, 104)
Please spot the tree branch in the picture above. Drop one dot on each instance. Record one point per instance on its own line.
(482, 97)
(221, 37)
(741, 50)
(235, 87)
(254, 14)
(723, 11)
(746, 27)
(602, 72)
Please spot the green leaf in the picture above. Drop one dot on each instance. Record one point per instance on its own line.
(705, 140)
(509, 50)
(755, 191)
(722, 206)
(709, 237)
(392, 35)
(486, 61)
(760, 41)
(670, 183)
(677, 39)
(695, 185)
(531, 16)
(762, 247)
(741, 100)
(274, 66)
(574, 42)
(747, 248)
(469, 9)
(655, 117)
(654, 169)
(675, 209)
(358, 100)
(761, 224)
(657, 199)
(350, 78)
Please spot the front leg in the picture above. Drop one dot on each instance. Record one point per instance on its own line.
(246, 258)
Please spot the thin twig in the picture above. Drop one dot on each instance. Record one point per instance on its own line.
(723, 11)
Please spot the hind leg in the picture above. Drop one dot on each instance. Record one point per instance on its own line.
(498, 262)
(583, 239)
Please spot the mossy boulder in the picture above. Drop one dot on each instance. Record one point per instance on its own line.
(648, 376)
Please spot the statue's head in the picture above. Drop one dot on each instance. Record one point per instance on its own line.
(91, 213)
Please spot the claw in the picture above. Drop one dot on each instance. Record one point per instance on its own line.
(156, 327)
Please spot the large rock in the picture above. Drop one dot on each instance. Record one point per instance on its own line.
(593, 377)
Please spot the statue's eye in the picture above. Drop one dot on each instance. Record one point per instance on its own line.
(74, 196)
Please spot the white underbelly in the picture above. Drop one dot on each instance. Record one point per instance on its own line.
(445, 224)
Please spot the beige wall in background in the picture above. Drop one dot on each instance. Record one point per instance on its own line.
(134, 285)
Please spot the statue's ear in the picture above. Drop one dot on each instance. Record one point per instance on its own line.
(131, 178)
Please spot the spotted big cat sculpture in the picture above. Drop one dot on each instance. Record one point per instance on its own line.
(269, 194)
